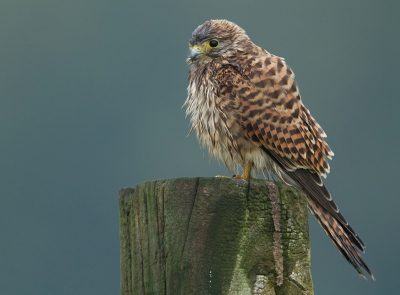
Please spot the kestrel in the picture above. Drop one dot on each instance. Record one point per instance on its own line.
(246, 107)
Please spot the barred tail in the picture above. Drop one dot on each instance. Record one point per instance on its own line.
(341, 236)
(324, 209)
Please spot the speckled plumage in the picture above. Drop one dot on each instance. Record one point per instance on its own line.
(246, 107)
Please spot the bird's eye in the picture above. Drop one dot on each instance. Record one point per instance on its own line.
(213, 43)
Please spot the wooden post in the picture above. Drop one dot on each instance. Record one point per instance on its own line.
(195, 236)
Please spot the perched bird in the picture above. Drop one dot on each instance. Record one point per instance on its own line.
(245, 106)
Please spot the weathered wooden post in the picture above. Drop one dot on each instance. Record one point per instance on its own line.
(196, 236)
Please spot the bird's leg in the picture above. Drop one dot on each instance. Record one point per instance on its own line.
(247, 172)
(245, 176)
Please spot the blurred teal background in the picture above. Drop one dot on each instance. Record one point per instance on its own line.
(90, 102)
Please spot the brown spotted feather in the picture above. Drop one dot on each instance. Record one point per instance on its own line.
(246, 107)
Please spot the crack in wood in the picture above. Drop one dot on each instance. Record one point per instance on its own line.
(190, 214)
(276, 215)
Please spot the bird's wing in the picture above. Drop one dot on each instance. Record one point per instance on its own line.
(272, 113)
(272, 116)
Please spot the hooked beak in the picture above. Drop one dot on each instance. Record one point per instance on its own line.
(195, 54)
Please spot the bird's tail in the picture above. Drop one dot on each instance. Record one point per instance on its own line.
(342, 237)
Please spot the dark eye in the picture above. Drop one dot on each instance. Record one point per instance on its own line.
(213, 43)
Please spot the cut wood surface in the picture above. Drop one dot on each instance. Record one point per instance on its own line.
(214, 236)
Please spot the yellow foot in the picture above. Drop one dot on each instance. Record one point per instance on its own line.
(243, 176)
(246, 173)
(236, 176)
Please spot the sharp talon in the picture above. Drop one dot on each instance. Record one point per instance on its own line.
(237, 176)
(242, 177)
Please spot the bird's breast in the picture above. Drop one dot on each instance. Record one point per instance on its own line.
(218, 127)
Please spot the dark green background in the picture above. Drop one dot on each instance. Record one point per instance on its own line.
(90, 101)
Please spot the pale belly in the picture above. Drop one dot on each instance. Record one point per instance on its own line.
(233, 148)
(218, 128)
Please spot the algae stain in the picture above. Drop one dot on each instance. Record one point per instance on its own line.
(240, 284)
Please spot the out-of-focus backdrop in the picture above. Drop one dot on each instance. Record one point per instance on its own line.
(90, 102)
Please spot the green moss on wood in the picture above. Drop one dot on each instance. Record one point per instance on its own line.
(211, 236)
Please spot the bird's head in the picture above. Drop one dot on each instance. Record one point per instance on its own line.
(216, 39)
